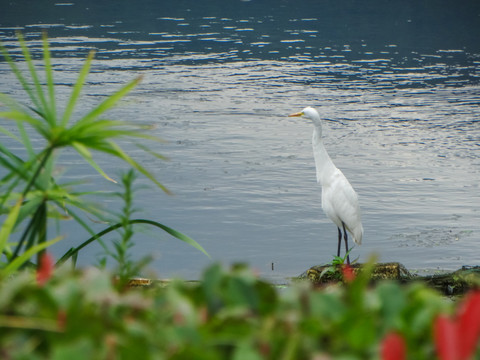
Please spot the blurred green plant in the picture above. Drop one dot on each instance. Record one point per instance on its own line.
(126, 267)
(30, 192)
(228, 314)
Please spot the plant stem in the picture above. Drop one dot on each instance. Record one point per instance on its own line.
(36, 227)
(48, 152)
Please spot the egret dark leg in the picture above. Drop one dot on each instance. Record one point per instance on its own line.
(339, 241)
(346, 242)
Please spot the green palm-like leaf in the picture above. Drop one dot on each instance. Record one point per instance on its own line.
(21, 116)
(77, 89)
(51, 107)
(87, 155)
(121, 154)
(89, 132)
(38, 97)
(31, 183)
(18, 73)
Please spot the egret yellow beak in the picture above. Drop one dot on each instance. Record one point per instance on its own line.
(296, 114)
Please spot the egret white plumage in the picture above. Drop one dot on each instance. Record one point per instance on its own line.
(339, 199)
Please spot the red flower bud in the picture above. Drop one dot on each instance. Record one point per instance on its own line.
(45, 269)
(393, 347)
(456, 339)
(446, 338)
(348, 273)
(468, 324)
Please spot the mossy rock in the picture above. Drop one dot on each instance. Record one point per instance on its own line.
(452, 283)
(321, 274)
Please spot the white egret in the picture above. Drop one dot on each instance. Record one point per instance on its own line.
(339, 200)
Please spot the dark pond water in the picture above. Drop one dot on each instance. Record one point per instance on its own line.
(399, 79)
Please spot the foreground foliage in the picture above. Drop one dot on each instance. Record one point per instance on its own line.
(227, 315)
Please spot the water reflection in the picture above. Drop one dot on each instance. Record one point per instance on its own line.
(401, 85)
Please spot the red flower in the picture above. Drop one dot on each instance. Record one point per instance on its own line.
(456, 339)
(62, 320)
(45, 269)
(393, 347)
(469, 324)
(446, 338)
(348, 273)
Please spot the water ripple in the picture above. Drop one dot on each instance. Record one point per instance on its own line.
(399, 92)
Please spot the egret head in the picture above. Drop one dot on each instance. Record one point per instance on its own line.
(309, 113)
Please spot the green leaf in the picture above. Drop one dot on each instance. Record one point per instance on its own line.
(247, 351)
(110, 101)
(151, 152)
(11, 162)
(394, 301)
(175, 234)
(23, 258)
(26, 139)
(79, 349)
(29, 207)
(49, 75)
(167, 229)
(42, 105)
(85, 153)
(119, 152)
(9, 224)
(77, 89)
(19, 74)
(20, 116)
(28, 323)
(15, 107)
(45, 177)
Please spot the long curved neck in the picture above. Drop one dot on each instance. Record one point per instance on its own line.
(323, 162)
